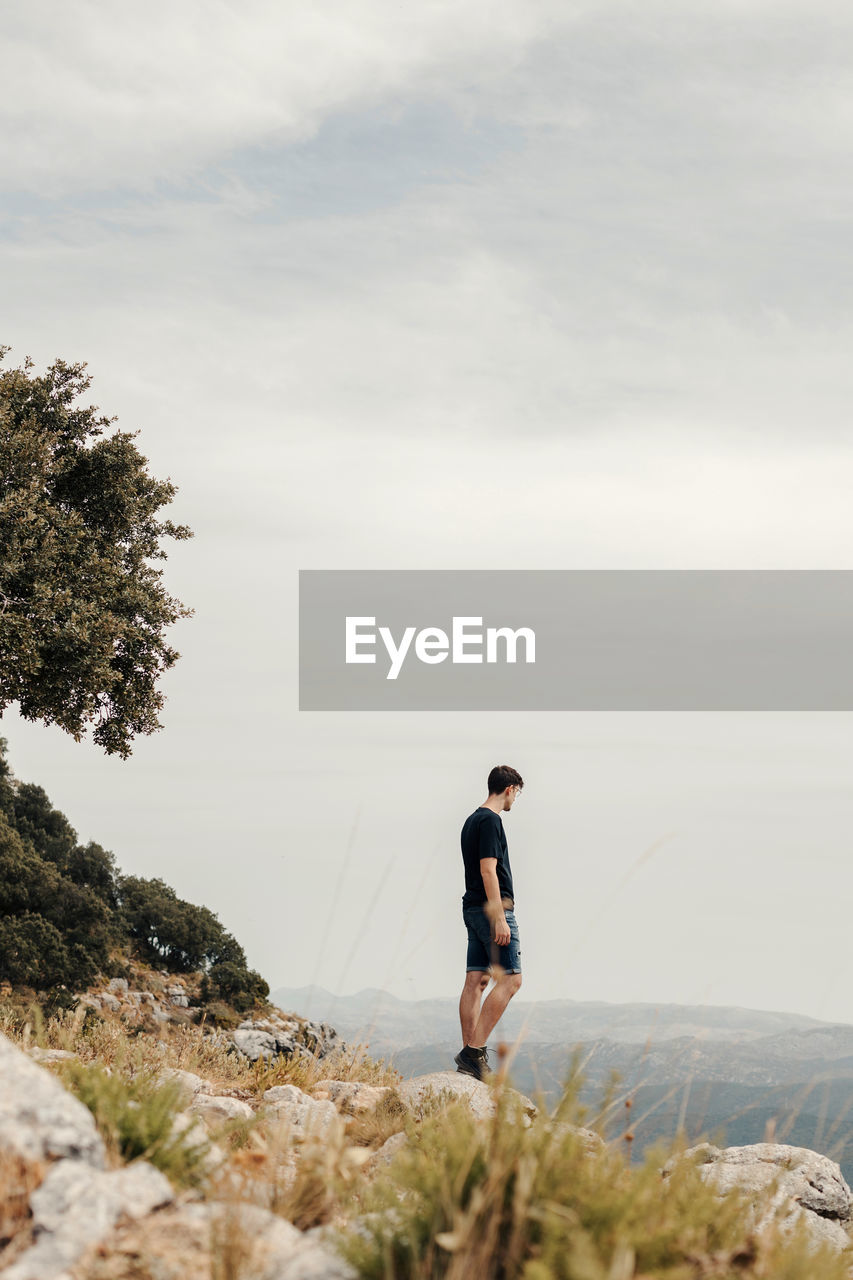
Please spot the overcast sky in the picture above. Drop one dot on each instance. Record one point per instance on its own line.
(520, 283)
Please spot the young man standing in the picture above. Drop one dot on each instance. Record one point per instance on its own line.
(488, 912)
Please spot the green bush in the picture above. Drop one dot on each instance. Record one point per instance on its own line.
(137, 1120)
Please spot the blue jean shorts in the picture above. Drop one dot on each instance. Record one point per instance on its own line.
(483, 953)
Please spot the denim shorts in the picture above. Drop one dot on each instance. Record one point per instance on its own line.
(483, 953)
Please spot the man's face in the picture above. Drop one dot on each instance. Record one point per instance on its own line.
(510, 796)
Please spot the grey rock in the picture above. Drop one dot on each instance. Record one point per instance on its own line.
(76, 1206)
(279, 1034)
(352, 1094)
(386, 1153)
(179, 1001)
(46, 1056)
(118, 986)
(304, 1114)
(255, 1044)
(109, 1001)
(279, 1251)
(190, 1083)
(194, 1133)
(215, 1109)
(593, 1142)
(804, 1186)
(39, 1119)
(455, 1085)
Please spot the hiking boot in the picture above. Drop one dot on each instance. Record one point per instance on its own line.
(473, 1062)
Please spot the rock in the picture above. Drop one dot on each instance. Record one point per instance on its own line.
(255, 1044)
(289, 1036)
(593, 1142)
(476, 1093)
(214, 1109)
(306, 1115)
(179, 1001)
(350, 1094)
(385, 1154)
(810, 1186)
(190, 1083)
(39, 1119)
(46, 1056)
(194, 1132)
(175, 1244)
(76, 1205)
(109, 1001)
(118, 986)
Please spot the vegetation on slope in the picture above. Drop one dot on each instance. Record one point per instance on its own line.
(67, 914)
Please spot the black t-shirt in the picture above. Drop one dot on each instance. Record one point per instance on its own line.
(483, 836)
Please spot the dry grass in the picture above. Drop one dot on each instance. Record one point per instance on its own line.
(374, 1127)
(18, 1179)
(499, 1200)
(111, 1042)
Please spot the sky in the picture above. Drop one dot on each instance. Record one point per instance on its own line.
(523, 284)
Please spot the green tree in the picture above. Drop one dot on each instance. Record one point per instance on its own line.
(83, 609)
(239, 986)
(44, 913)
(170, 931)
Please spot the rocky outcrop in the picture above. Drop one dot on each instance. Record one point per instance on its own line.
(40, 1120)
(290, 1037)
(791, 1183)
(78, 1209)
(164, 998)
(77, 1205)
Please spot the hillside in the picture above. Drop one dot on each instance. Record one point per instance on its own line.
(69, 916)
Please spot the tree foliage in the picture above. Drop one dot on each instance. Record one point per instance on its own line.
(64, 906)
(83, 609)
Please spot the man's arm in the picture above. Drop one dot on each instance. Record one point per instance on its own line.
(494, 907)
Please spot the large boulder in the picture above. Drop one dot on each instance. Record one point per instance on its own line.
(421, 1090)
(76, 1205)
(39, 1119)
(302, 1113)
(215, 1109)
(790, 1184)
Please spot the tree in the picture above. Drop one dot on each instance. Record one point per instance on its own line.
(53, 930)
(83, 609)
(167, 930)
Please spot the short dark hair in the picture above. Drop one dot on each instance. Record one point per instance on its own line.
(503, 776)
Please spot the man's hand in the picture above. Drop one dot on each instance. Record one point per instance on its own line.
(493, 906)
(502, 933)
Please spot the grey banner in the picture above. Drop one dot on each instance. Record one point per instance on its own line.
(616, 640)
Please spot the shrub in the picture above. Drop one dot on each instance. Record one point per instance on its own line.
(137, 1120)
(501, 1201)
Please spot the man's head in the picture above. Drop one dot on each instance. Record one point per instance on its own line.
(505, 783)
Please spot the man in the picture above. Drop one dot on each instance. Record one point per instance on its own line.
(488, 912)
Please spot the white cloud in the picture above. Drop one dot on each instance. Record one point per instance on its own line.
(98, 94)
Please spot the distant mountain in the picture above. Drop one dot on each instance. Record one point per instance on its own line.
(388, 1024)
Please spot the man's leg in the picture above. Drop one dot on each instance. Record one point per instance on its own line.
(469, 1002)
(493, 1008)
